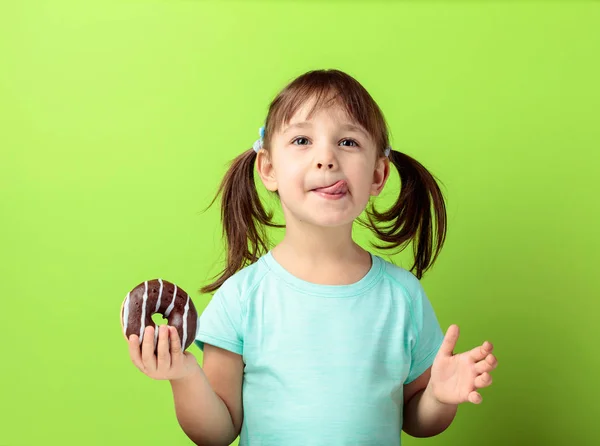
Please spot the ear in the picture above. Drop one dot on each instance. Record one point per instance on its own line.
(265, 169)
(380, 175)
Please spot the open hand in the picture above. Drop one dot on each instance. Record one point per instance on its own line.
(455, 378)
(170, 361)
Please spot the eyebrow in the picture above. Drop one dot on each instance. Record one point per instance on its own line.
(298, 125)
(306, 124)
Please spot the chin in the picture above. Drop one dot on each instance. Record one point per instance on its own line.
(332, 220)
(322, 216)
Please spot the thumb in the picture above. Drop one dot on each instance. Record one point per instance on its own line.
(449, 342)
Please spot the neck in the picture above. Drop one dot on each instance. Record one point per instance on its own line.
(319, 244)
(326, 255)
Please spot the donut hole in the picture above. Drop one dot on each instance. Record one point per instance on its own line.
(159, 319)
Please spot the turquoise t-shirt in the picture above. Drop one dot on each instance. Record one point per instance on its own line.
(324, 364)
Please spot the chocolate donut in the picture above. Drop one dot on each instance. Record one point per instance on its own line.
(165, 298)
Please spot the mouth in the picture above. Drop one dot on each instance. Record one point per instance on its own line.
(334, 191)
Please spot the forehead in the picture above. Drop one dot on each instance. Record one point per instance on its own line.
(313, 108)
(310, 114)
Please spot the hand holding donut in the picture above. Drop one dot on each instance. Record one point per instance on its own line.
(159, 351)
(170, 363)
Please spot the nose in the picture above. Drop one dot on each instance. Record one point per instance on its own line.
(327, 166)
(326, 158)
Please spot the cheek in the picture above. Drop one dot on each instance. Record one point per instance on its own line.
(290, 175)
(362, 173)
(294, 172)
(363, 179)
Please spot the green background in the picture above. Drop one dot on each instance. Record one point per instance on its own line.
(119, 119)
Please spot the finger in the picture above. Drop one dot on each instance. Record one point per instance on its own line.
(449, 342)
(175, 342)
(488, 364)
(135, 352)
(475, 397)
(164, 358)
(148, 356)
(483, 380)
(479, 353)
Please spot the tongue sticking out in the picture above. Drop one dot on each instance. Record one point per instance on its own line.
(337, 188)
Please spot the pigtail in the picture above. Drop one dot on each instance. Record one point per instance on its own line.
(243, 216)
(410, 218)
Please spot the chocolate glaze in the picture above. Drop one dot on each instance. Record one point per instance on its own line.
(165, 298)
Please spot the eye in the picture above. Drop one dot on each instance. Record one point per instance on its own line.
(300, 138)
(350, 140)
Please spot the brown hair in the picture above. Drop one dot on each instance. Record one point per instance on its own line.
(245, 219)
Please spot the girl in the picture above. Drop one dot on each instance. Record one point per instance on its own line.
(317, 341)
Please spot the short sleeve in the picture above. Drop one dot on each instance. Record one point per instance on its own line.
(220, 324)
(427, 333)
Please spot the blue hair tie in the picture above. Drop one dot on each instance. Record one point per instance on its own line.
(258, 144)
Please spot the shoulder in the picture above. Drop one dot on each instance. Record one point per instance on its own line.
(403, 279)
(223, 317)
(244, 282)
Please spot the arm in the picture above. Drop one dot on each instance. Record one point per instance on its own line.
(424, 415)
(208, 403)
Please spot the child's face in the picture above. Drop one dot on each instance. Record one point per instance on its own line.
(321, 152)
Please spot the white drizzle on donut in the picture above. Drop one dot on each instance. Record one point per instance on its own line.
(185, 316)
(143, 315)
(156, 311)
(172, 304)
(126, 314)
(159, 296)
